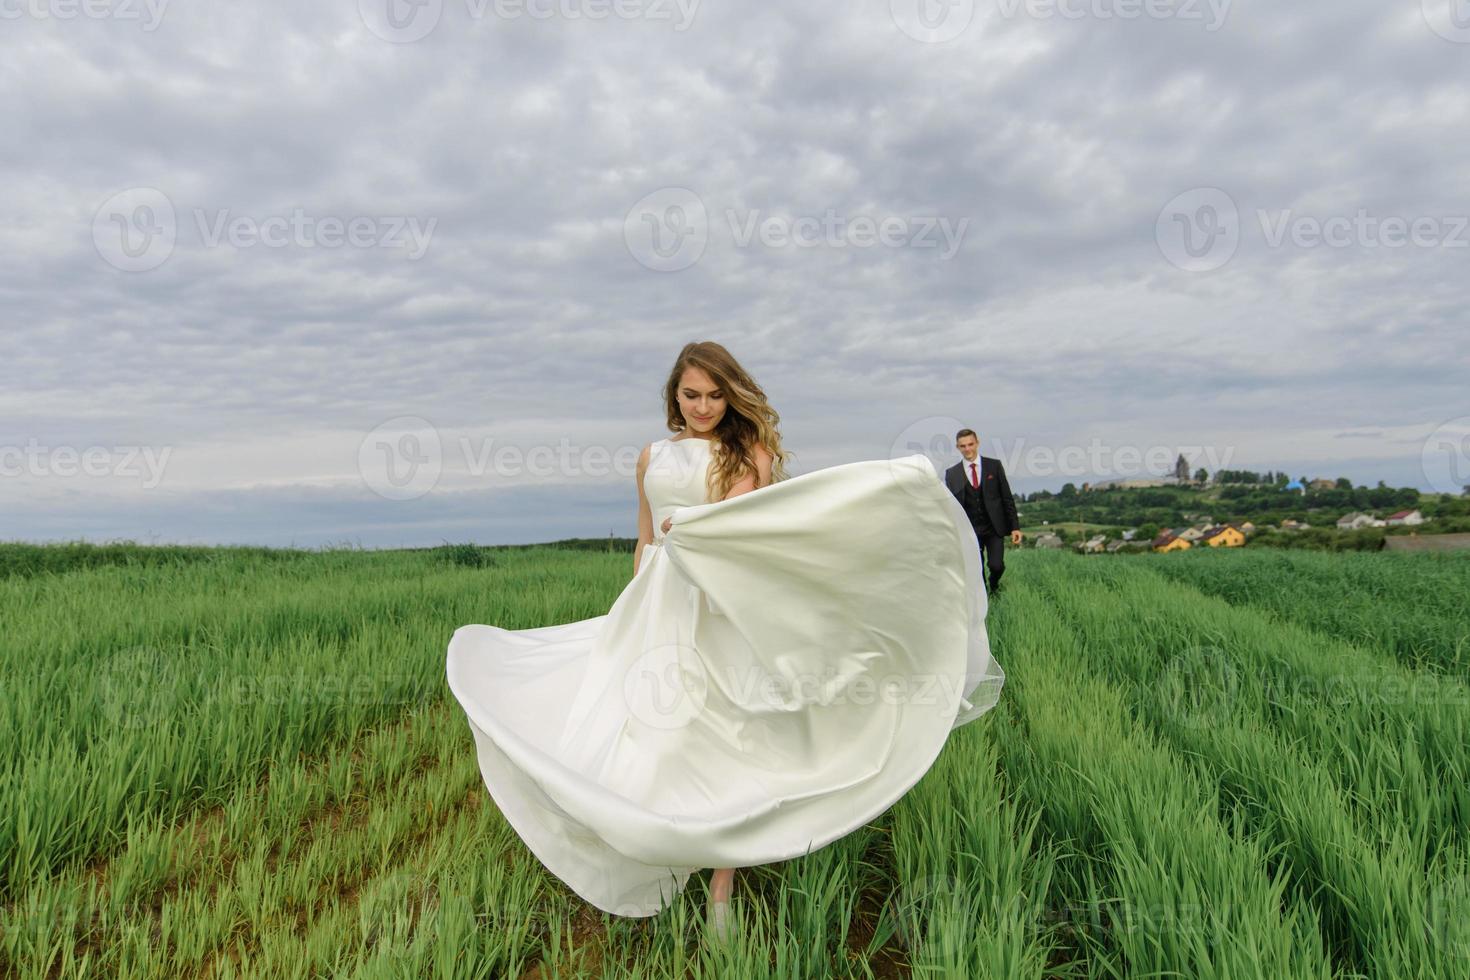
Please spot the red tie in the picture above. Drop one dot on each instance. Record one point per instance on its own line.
(974, 477)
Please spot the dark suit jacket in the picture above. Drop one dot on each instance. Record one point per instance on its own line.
(995, 492)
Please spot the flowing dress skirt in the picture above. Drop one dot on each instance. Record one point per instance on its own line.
(782, 668)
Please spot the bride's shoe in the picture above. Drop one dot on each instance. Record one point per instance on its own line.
(722, 883)
(719, 919)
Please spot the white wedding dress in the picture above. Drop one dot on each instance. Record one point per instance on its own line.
(784, 665)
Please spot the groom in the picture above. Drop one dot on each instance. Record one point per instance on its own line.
(979, 484)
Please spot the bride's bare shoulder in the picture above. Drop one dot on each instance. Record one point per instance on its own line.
(765, 461)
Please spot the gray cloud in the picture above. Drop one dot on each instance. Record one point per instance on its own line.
(1056, 142)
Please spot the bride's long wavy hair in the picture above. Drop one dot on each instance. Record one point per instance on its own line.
(749, 419)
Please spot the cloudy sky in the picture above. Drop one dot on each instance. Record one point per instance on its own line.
(392, 273)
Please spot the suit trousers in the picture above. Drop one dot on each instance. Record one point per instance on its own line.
(993, 550)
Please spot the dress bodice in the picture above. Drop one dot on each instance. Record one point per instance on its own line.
(675, 477)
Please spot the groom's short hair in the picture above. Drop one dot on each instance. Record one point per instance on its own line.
(965, 432)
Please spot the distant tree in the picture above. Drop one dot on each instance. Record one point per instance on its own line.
(1181, 468)
(1069, 489)
(1465, 490)
(1343, 483)
(1200, 476)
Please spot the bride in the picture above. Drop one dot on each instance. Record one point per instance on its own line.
(787, 660)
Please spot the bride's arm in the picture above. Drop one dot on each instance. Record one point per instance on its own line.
(761, 477)
(645, 517)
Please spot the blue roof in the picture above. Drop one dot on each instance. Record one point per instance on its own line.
(1295, 485)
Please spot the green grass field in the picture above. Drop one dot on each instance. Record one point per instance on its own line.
(1072, 527)
(245, 763)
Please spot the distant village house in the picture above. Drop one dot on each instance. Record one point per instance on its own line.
(1223, 536)
(1169, 541)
